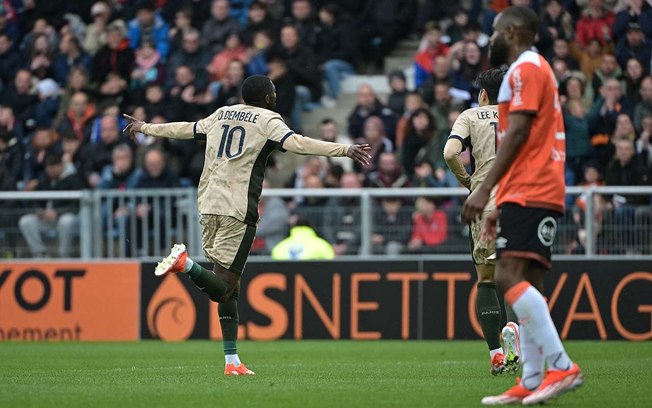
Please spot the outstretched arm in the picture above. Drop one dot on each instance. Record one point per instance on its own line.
(174, 130)
(308, 146)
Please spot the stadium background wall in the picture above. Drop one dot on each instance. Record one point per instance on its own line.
(338, 300)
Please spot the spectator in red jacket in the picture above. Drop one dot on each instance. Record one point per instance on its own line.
(423, 61)
(429, 226)
(595, 23)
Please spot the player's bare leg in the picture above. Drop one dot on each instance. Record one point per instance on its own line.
(221, 286)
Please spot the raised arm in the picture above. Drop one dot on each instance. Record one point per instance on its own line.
(308, 146)
(173, 130)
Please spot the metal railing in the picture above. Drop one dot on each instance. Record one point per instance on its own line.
(144, 223)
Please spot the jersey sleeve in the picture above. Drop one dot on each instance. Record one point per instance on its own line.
(461, 129)
(174, 130)
(526, 77)
(278, 131)
(202, 126)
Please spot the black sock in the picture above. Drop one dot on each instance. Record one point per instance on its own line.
(207, 281)
(229, 318)
(487, 308)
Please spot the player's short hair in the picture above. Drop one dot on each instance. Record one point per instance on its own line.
(522, 17)
(255, 88)
(490, 81)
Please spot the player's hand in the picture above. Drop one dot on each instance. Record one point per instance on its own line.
(475, 204)
(488, 232)
(133, 126)
(358, 153)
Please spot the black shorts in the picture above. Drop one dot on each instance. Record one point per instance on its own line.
(525, 232)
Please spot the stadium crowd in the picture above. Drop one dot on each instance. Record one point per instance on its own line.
(68, 69)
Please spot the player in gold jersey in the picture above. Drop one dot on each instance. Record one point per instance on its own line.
(475, 129)
(239, 139)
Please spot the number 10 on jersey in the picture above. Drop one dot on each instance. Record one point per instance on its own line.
(228, 134)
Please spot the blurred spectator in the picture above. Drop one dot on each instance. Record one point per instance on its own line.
(443, 105)
(595, 23)
(636, 11)
(148, 67)
(192, 55)
(398, 86)
(114, 58)
(233, 49)
(313, 208)
(460, 20)
(634, 74)
(302, 65)
(591, 57)
(10, 59)
(578, 147)
(121, 173)
(96, 31)
(48, 92)
(227, 90)
(303, 19)
(374, 135)
(382, 24)
(557, 21)
(40, 56)
(182, 24)
(303, 244)
(71, 150)
(79, 118)
(644, 106)
(97, 156)
(633, 45)
(608, 69)
(630, 210)
(155, 174)
(154, 103)
(420, 137)
(273, 224)
(70, 55)
(58, 215)
(285, 89)
(259, 20)
(149, 27)
(77, 80)
(20, 97)
(561, 51)
(429, 226)
(440, 73)
(342, 219)
(258, 53)
(183, 95)
(432, 48)
(312, 166)
(11, 158)
(465, 70)
(643, 148)
(335, 47)
(624, 128)
(602, 119)
(329, 132)
(391, 226)
(413, 102)
(218, 27)
(44, 142)
(369, 105)
(389, 173)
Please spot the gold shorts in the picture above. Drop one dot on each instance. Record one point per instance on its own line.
(226, 241)
(482, 251)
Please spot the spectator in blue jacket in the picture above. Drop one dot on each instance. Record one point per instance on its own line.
(148, 26)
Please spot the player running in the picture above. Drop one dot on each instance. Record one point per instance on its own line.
(476, 129)
(239, 139)
(529, 168)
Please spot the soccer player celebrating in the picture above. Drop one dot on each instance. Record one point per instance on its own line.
(239, 139)
(529, 171)
(476, 129)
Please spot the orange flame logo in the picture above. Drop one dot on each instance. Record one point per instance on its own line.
(171, 313)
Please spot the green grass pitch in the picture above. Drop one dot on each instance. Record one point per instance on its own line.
(298, 374)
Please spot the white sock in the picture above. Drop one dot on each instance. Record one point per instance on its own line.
(188, 265)
(232, 359)
(534, 317)
(493, 352)
(531, 360)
